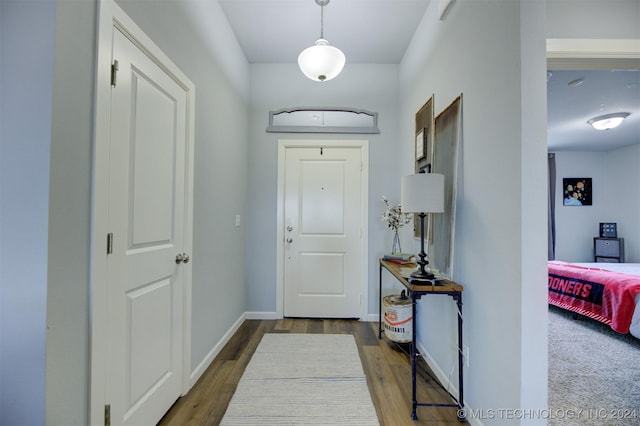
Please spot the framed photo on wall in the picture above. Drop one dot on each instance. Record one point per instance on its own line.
(424, 155)
(421, 148)
(576, 192)
(608, 230)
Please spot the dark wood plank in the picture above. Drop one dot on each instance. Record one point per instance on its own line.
(284, 324)
(387, 369)
(367, 333)
(335, 326)
(392, 407)
(299, 326)
(315, 326)
(237, 344)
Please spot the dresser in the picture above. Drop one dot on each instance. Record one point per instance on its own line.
(608, 250)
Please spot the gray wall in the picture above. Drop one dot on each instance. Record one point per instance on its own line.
(586, 19)
(613, 170)
(372, 87)
(616, 189)
(68, 340)
(221, 79)
(26, 58)
(493, 54)
(623, 194)
(51, 262)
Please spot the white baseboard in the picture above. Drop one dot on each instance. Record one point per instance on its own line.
(208, 359)
(274, 316)
(444, 379)
(262, 315)
(372, 318)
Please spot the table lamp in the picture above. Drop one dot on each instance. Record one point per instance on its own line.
(422, 193)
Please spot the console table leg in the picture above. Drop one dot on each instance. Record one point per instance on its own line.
(414, 415)
(460, 355)
(380, 302)
(416, 291)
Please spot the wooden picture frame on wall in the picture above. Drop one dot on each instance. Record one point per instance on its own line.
(446, 147)
(424, 137)
(421, 145)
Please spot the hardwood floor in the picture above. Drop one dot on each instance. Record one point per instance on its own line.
(387, 369)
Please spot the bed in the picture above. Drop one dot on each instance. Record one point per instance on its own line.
(606, 292)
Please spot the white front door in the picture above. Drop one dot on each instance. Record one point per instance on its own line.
(146, 216)
(322, 232)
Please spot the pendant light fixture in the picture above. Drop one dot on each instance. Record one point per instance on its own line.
(321, 62)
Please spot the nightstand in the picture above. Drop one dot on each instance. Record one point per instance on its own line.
(608, 250)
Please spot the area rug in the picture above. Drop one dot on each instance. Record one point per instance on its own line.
(594, 378)
(303, 379)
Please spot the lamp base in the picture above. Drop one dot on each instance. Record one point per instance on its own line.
(420, 275)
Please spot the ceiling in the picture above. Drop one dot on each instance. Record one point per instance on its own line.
(379, 31)
(571, 103)
(367, 31)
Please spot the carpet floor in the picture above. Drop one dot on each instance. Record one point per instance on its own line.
(303, 379)
(594, 373)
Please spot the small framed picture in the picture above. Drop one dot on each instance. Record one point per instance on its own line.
(577, 191)
(420, 145)
(608, 230)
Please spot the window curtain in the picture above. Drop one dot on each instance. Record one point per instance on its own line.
(551, 222)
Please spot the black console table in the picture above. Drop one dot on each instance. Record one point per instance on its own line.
(416, 290)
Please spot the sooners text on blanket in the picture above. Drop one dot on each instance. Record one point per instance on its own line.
(606, 296)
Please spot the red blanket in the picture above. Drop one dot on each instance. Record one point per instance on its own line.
(609, 297)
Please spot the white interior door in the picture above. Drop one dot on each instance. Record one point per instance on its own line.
(323, 231)
(145, 284)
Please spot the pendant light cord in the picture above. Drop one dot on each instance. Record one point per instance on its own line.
(321, 21)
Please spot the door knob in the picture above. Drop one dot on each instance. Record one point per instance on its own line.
(185, 258)
(179, 258)
(289, 240)
(289, 228)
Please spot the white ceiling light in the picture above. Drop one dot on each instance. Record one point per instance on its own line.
(608, 121)
(321, 62)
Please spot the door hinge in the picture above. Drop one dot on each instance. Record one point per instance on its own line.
(107, 415)
(110, 243)
(114, 70)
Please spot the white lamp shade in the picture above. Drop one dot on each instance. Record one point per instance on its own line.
(422, 193)
(321, 62)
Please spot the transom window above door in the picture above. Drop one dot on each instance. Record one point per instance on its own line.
(323, 120)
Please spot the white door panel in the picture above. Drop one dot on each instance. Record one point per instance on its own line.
(321, 273)
(152, 163)
(147, 308)
(322, 249)
(146, 216)
(322, 197)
